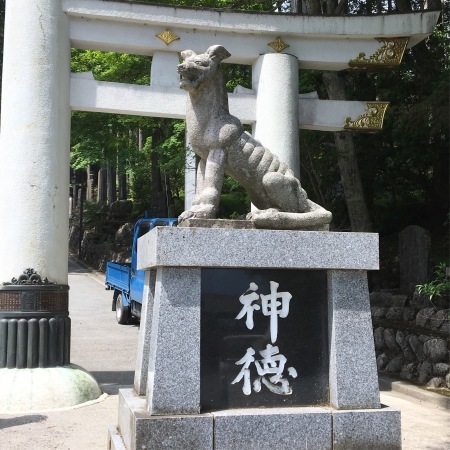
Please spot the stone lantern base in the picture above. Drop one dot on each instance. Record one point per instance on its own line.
(24, 390)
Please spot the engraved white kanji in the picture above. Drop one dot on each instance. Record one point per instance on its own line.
(245, 371)
(248, 308)
(270, 306)
(272, 363)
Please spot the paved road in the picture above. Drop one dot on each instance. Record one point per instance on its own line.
(108, 351)
(425, 426)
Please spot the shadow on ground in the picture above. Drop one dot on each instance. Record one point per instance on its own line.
(21, 420)
(385, 384)
(110, 382)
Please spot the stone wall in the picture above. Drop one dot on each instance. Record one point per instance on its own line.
(108, 239)
(411, 337)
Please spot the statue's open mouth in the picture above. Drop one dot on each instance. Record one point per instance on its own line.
(186, 80)
(184, 75)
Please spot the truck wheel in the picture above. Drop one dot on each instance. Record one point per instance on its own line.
(122, 312)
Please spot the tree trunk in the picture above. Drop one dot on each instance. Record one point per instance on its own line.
(158, 205)
(347, 162)
(111, 184)
(75, 195)
(89, 183)
(141, 140)
(122, 178)
(296, 6)
(167, 192)
(101, 188)
(313, 7)
(351, 180)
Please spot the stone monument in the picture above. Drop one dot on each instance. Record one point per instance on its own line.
(252, 338)
(256, 339)
(223, 146)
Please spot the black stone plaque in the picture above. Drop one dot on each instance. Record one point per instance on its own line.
(301, 338)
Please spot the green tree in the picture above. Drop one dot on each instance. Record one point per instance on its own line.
(396, 170)
(124, 142)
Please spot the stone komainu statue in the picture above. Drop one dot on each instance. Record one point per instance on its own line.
(223, 146)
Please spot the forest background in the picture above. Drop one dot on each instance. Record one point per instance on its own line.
(379, 182)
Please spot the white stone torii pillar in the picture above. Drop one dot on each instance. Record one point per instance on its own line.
(275, 79)
(35, 140)
(35, 369)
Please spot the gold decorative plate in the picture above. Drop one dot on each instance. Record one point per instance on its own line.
(370, 120)
(389, 55)
(278, 44)
(168, 37)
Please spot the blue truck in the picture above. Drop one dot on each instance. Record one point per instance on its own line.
(124, 278)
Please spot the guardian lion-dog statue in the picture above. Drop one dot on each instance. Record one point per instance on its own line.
(223, 146)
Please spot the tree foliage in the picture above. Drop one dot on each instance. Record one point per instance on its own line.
(127, 142)
(404, 169)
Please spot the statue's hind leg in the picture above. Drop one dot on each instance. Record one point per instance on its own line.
(285, 192)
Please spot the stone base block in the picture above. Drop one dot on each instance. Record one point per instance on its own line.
(176, 432)
(274, 428)
(114, 439)
(368, 429)
(318, 428)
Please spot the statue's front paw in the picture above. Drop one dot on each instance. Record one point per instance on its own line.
(203, 211)
(185, 215)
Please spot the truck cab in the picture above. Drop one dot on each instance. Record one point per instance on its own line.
(124, 278)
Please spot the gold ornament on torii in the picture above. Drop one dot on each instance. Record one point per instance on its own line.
(370, 120)
(168, 37)
(389, 55)
(278, 44)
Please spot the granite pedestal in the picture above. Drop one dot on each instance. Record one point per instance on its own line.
(189, 390)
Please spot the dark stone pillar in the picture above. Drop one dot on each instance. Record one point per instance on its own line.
(414, 253)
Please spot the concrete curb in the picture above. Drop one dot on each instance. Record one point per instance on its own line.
(417, 392)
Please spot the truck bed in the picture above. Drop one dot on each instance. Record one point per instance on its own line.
(118, 276)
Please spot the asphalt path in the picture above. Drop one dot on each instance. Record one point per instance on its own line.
(108, 351)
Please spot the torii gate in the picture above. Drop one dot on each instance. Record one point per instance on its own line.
(39, 93)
